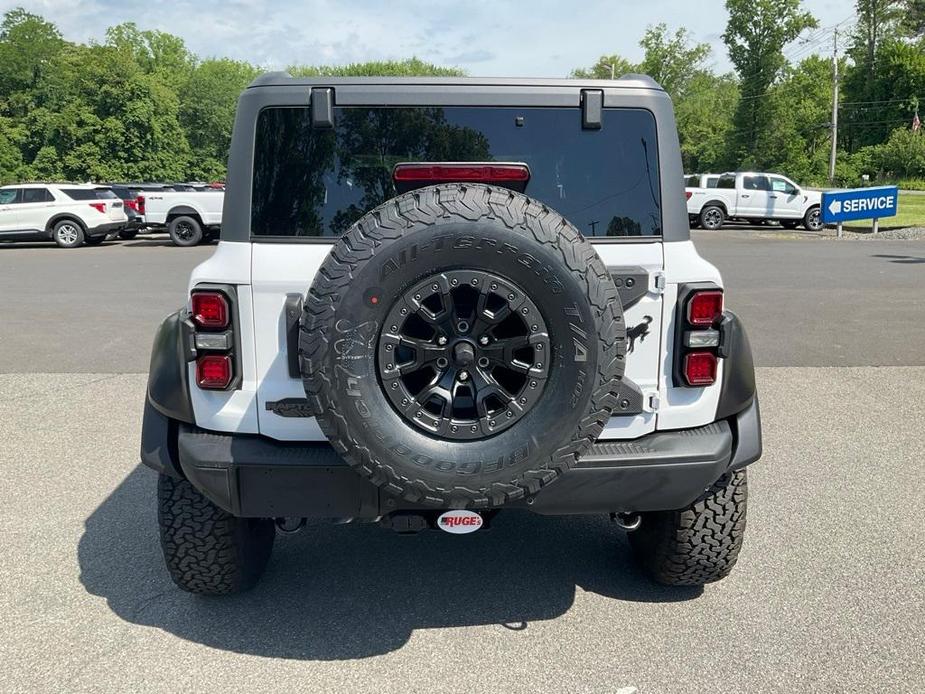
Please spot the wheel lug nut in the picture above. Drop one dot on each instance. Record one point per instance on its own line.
(510, 414)
(494, 285)
(463, 376)
(394, 385)
(483, 340)
(441, 340)
(525, 310)
(475, 280)
(388, 348)
(534, 328)
(473, 428)
(454, 428)
(435, 287)
(539, 348)
(510, 297)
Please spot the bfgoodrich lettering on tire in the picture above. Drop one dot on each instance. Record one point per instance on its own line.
(462, 346)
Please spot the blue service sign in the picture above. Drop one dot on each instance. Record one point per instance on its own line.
(860, 203)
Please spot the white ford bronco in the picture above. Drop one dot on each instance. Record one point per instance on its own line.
(434, 300)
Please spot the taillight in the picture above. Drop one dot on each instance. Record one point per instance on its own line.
(140, 204)
(687, 194)
(700, 368)
(210, 310)
(705, 308)
(697, 346)
(214, 371)
(132, 204)
(99, 207)
(218, 365)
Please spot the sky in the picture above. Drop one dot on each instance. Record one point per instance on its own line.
(538, 38)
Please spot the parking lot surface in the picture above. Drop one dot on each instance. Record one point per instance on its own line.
(829, 593)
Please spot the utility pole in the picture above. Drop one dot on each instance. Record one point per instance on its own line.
(834, 109)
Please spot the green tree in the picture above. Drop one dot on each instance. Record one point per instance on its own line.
(207, 113)
(755, 36)
(606, 67)
(28, 44)
(873, 108)
(901, 156)
(704, 118)
(672, 60)
(412, 67)
(155, 52)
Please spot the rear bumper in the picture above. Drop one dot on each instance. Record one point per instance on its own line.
(253, 476)
(105, 229)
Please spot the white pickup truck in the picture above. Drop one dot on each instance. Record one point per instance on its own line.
(189, 217)
(755, 197)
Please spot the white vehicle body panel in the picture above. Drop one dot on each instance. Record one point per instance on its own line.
(159, 206)
(266, 273)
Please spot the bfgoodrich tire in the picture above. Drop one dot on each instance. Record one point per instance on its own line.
(464, 284)
(698, 544)
(207, 550)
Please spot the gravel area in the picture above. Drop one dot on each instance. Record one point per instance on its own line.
(907, 234)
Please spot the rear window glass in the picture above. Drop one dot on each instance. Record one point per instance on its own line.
(726, 182)
(314, 182)
(89, 193)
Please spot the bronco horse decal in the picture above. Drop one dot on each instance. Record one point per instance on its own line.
(638, 332)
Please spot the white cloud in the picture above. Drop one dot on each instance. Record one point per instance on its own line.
(489, 38)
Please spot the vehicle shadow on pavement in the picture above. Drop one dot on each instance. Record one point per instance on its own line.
(352, 591)
(901, 259)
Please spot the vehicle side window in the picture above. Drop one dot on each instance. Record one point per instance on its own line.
(36, 195)
(9, 197)
(728, 182)
(779, 185)
(692, 182)
(756, 183)
(712, 181)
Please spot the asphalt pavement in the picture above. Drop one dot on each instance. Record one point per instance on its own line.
(828, 595)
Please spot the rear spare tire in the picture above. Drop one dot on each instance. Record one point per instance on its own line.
(462, 345)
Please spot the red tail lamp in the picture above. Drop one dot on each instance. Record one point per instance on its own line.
(213, 371)
(210, 310)
(99, 207)
(705, 308)
(470, 173)
(700, 368)
(140, 204)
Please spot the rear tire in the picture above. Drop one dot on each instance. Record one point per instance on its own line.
(207, 550)
(68, 234)
(712, 217)
(698, 544)
(185, 231)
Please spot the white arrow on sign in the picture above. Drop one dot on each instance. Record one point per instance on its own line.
(835, 207)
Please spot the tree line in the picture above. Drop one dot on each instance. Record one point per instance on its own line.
(140, 106)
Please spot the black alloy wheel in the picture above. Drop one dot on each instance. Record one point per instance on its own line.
(464, 354)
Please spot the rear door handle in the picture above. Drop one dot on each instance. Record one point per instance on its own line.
(772, 196)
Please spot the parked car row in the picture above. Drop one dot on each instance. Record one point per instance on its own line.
(75, 214)
(712, 199)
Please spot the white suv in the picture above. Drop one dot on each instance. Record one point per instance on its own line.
(70, 214)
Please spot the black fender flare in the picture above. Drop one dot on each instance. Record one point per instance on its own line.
(738, 387)
(167, 402)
